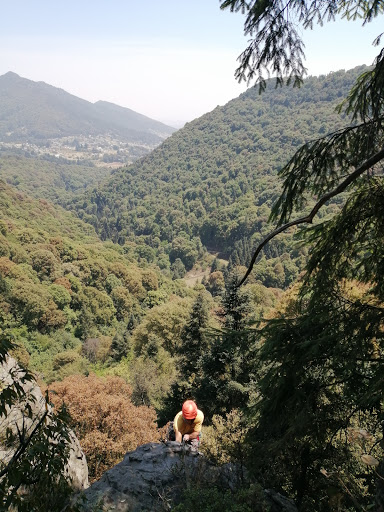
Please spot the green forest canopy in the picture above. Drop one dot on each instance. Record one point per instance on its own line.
(319, 412)
(309, 380)
(214, 181)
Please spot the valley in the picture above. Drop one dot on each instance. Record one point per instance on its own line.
(99, 150)
(122, 245)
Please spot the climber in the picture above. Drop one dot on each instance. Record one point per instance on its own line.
(187, 424)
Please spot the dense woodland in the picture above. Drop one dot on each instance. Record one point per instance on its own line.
(286, 367)
(81, 307)
(213, 182)
(54, 179)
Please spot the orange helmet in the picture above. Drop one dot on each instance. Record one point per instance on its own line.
(189, 410)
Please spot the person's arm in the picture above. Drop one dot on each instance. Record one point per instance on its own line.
(188, 437)
(178, 435)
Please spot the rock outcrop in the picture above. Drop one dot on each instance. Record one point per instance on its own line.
(149, 478)
(17, 419)
(154, 476)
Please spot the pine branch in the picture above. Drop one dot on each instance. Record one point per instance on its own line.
(317, 165)
(309, 218)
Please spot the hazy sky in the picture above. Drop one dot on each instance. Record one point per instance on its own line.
(172, 60)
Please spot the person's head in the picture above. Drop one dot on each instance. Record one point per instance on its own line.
(189, 410)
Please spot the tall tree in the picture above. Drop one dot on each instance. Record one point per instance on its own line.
(235, 302)
(320, 377)
(194, 340)
(226, 369)
(194, 343)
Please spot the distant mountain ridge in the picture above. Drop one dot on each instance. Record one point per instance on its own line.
(36, 110)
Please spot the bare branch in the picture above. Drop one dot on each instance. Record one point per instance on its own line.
(309, 218)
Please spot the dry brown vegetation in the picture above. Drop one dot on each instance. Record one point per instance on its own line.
(105, 420)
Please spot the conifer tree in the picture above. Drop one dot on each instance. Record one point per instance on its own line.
(226, 373)
(321, 365)
(194, 345)
(235, 302)
(226, 368)
(215, 265)
(194, 340)
(121, 344)
(132, 322)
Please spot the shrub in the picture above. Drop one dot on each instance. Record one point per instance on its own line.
(105, 419)
(224, 440)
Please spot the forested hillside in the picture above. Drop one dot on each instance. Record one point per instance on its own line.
(214, 181)
(81, 309)
(290, 381)
(60, 285)
(56, 179)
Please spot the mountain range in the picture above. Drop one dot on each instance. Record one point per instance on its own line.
(36, 110)
(210, 184)
(55, 145)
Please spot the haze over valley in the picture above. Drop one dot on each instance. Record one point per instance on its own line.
(48, 121)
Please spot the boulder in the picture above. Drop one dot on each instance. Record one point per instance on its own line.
(17, 419)
(154, 475)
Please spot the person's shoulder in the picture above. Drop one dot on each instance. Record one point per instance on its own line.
(200, 416)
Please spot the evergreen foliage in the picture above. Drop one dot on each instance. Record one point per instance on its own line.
(319, 411)
(194, 342)
(226, 373)
(276, 44)
(235, 302)
(225, 370)
(121, 344)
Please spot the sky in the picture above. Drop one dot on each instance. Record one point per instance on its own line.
(171, 60)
